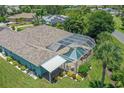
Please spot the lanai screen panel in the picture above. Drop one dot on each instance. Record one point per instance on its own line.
(73, 39)
(75, 53)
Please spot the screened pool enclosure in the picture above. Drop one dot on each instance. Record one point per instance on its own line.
(78, 46)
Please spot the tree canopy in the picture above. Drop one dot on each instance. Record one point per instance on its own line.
(73, 25)
(100, 21)
(3, 10)
(107, 53)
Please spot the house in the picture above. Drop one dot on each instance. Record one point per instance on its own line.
(27, 17)
(13, 9)
(54, 19)
(110, 10)
(44, 49)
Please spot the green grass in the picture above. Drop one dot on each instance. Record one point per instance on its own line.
(11, 77)
(96, 72)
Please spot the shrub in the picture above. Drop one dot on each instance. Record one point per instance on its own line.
(114, 66)
(15, 63)
(55, 79)
(62, 74)
(23, 68)
(13, 27)
(118, 84)
(73, 76)
(78, 77)
(9, 59)
(20, 29)
(116, 76)
(70, 73)
(2, 19)
(83, 69)
(20, 65)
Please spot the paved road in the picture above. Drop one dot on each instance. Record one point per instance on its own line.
(119, 36)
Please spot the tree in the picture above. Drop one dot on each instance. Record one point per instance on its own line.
(100, 21)
(122, 20)
(74, 25)
(104, 36)
(59, 25)
(85, 9)
(2, 19)
(41, 12)
(54, 9)
(118, 76)
(3, 10)
(26, 9)
(37, 20)
(107, 52)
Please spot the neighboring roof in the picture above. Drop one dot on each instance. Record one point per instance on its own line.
(31, 44)
(22, 15)
(53, 19)
(53, 63)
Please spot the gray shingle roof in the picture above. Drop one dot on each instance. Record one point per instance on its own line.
(40, 43)
(31, 44)
(22, 15)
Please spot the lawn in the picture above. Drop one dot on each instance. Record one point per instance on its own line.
(12, 77)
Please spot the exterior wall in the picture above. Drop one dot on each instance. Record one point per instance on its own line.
(37, 69)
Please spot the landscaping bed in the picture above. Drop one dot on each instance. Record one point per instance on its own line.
(20, 26)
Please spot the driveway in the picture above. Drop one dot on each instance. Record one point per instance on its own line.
(119, 36)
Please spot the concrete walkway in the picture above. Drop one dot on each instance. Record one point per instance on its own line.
(119, 36)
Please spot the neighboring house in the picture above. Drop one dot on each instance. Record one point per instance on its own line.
(110, 10)
(44, 49)
(28, 17)
(53, 19)
(12, 9)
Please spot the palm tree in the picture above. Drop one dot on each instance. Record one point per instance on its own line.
(107, 52)
(104, 36)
